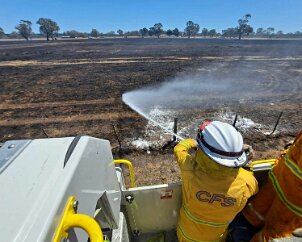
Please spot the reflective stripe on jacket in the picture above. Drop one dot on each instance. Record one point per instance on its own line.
(278, 206)
(212, 194)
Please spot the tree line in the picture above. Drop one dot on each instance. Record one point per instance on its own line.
(50, 29)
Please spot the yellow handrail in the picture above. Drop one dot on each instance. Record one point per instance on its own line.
(129, 164)
(71, 220)
(271, 161)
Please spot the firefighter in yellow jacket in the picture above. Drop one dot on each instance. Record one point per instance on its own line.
(277, 208)
(214, 187)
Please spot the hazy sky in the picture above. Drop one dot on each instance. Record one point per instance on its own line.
(135, 14)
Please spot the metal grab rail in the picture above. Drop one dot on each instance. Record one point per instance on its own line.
(267, 164)
(129, 164)
(271, 161)
(72, 220)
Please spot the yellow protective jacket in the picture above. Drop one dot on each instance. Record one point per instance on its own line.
(212, 194)
(277, 208)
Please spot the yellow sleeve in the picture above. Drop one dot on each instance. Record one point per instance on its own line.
(253, 186)
(251, 182)
(182, 156)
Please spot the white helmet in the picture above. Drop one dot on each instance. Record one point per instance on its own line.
(222, 143)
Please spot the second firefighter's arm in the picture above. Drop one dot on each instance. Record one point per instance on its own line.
(181, 152)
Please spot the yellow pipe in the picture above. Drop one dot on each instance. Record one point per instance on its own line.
(129, 164)
(71, 220)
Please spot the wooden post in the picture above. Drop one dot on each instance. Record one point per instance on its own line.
(175, 129)
(279, 117)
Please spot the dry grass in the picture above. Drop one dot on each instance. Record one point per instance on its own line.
(20, 63)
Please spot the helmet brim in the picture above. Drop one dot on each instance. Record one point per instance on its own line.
(225, 160)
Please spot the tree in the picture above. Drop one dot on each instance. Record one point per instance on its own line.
(132, 33)
(48, 27)
(1, 32)
(243, 28)
(24, 28)
(14, 35)
(298, 34)
(169, 32)
(270, 32)
(260, 32)
(143, 32)
(205, 32)
(230, 33)
(75, 34)
(176, 32)
(212, 32)
(94, 33)
(249, 30)
(110, 33)
(280, 32)
(151, 31)
(191, 29)
(120, 32)
(158, 29)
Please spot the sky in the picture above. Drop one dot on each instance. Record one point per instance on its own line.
(129, 15)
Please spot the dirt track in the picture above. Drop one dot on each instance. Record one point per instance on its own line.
(75, 86)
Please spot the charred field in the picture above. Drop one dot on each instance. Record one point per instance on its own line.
(71, 87)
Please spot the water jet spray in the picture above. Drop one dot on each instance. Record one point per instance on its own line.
(127, 101)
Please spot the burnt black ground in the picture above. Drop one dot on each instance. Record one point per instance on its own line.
(70, 87)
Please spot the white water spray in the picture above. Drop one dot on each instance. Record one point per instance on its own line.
(217, 88)
(183, 93)
(127, 99)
